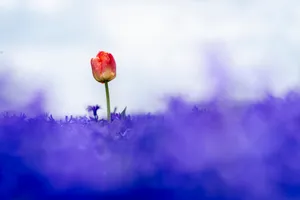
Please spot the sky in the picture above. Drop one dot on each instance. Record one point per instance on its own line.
(162, 48)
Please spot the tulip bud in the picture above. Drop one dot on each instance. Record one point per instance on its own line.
(103, 67)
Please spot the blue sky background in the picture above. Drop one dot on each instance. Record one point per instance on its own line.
(161, 47)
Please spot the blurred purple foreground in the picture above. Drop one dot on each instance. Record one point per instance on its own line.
(215, 150)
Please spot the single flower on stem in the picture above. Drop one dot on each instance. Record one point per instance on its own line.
(104, 70)
(94, 109)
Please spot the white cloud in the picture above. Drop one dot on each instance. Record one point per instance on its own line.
(41, 7)
(47, 6)
(8, 4)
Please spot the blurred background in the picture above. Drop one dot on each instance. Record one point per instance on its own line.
(179, 47)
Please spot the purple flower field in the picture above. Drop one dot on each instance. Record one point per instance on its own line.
(213, 150)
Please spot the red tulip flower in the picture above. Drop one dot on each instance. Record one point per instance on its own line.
(104, 70)
(103, 67)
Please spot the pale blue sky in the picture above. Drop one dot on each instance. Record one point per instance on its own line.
(161, 47)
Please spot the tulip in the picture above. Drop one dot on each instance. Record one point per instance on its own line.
(104, 70)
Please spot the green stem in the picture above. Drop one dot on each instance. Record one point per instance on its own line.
(107, 102)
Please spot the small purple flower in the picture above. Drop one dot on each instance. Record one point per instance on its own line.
(94, 109)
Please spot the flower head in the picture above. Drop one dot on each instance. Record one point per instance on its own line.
(103, 67)
(93, 109)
